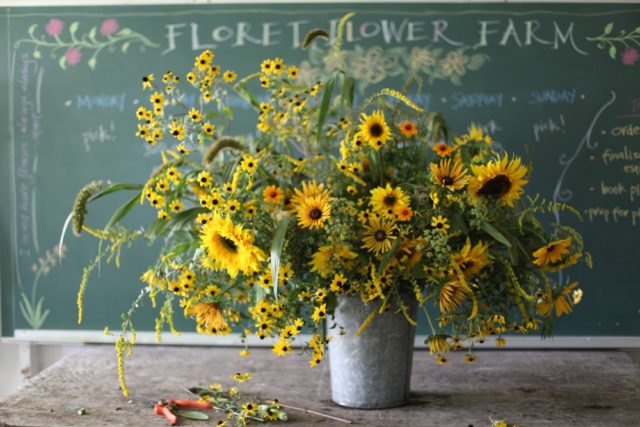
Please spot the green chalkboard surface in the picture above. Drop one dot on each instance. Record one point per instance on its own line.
(557, 84)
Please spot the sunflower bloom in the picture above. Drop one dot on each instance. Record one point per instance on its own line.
(374, 129)
(561, 302)
(452, 295)
(449, 174)
(208, 317)
(470, 260)
(230, 247)
(501, 180)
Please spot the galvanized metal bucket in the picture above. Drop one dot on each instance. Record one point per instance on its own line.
(372, 370)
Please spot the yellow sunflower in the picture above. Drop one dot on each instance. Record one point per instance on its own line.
(313, 211)
(309, 190)
(378, 235)
(501, 180)
(470, 260)
(449, 174)
(374, 129)
(230, 247)
(452, 295)
(561, 301)
(327, 258)
(208, 317)
(387, 199)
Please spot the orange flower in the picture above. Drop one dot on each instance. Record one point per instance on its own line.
(404, 213)
(442, 149)
(408, 128)
(272, 194)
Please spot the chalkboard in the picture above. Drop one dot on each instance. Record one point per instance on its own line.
(557, 84)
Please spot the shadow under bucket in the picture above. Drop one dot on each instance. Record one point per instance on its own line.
(372, 370)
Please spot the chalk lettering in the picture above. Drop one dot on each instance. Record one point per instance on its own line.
(439, 27)
(549, 125)
(560, 37)
(609, 155)
(567, 96)
(171, 36)
(195, 39)
(476, 100)
(510, 33)
(626, 130)
(531, 28)
(295, 32)
(109, 102)
(392, 32)
(612, 190)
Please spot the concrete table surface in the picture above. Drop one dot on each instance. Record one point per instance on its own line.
(530, 388)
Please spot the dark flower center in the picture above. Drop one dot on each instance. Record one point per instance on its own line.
(315, 214)
(447, 180)
(496, 187)
(380, 236)
(229, 244)
(389, 200)
(375, 130)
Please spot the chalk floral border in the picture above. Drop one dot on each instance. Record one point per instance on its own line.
(374, 64)
(69, 47)
(628, 41)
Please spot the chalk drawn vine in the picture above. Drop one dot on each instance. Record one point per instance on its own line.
(630, 41)
(70, 47)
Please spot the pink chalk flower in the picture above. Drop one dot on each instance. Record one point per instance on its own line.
(73, 56)
(109, 26)
(54, 27)
(630, 56)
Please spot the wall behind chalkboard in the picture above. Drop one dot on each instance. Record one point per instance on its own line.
(555, 83)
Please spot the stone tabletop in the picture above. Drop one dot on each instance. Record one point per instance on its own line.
(530, 388)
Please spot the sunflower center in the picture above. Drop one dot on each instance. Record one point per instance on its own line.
(375, 130)
(446, 180)
(550, 248)
(380, 236)
(229, 244)
(496, 187)
(389, 200)
(315, 214)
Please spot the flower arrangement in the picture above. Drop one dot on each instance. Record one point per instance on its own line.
(330, 197)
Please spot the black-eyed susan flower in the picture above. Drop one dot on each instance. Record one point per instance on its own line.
(379, 235)
(470, 358)
(177, 130)
(240, 377)
(450, 174)
(442, 360)
(374, 129)
(191, 77)
(195, 115)
(278, 65)
(438, 344)
(229, 76)
(204, 179)
(208, 128)
(313, 212)
(339, 284)
(157, 99)
(440, 223)
(408, 128)
(552, 253)
(176, 205)
(501, 180)
(182, 149)
(266, 66)
(404, 213)
(141, 113)
(442, 149)
(319, 313)
(292, 72)
(249, 164)
(147, 81)
(272, 194)
(387, 199)
(162, 214)
(232, 206)
(143, 131)
(560, 300)
(282, 347)
(208, 316)
(230, 247)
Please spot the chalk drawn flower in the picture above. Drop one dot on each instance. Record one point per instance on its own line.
(630, 56)
(73, 56)
(455, 63)
(335, 60)
(54, 27)
(420, 58)
(373, 65)
(109, 26)
(308, 74)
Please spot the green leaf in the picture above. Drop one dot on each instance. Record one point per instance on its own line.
(124, 32)
(92, 33)
(247, 95)
(32, 30)
(73, 28)
(277, 243)
(612, 52)
(116, 187)
(324, 106)
(125, 47)
(192, 415)
(395, 247)
(348, 88)
(493, 232)
(92, 62)
(122, 211)
(62, 62)
(312, 35)
(36, 54)
(608, 28)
